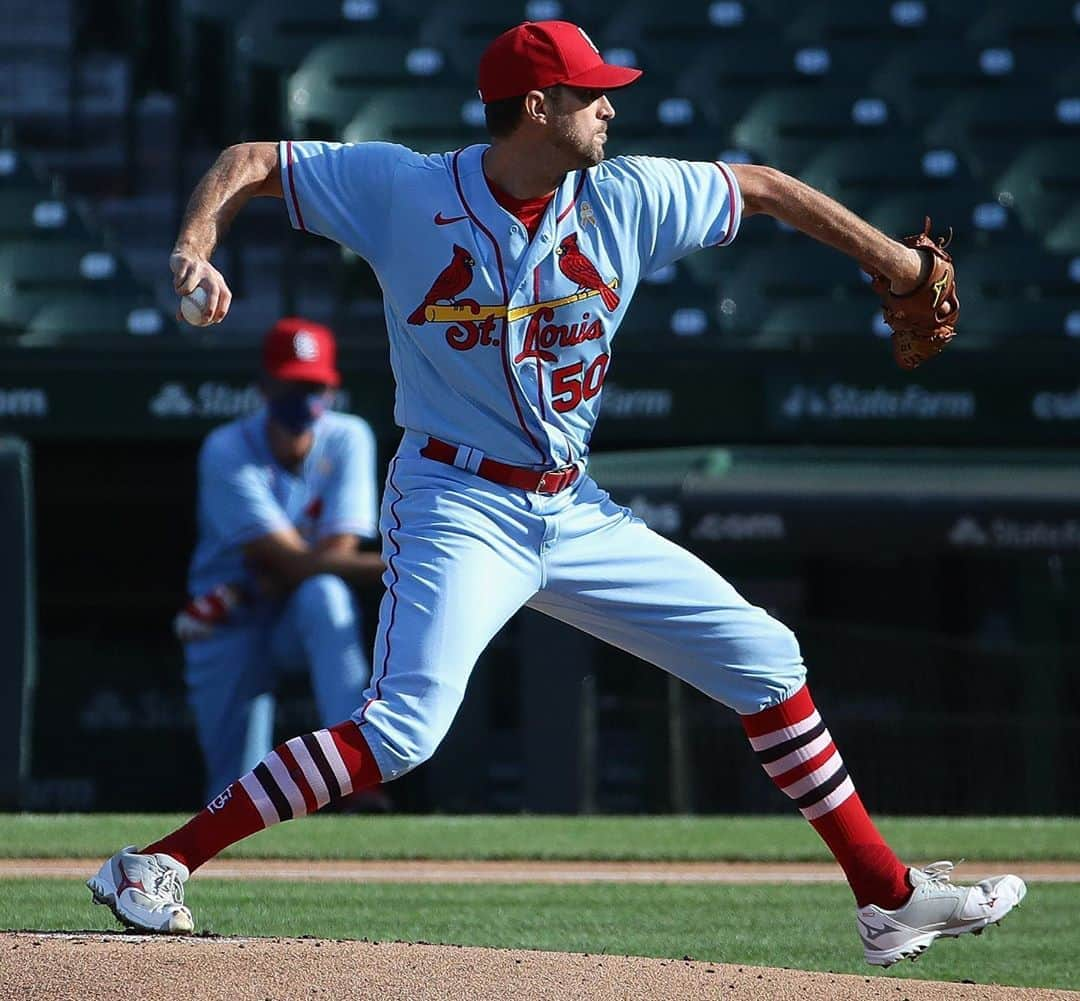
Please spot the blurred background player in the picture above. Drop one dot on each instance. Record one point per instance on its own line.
(286, 498)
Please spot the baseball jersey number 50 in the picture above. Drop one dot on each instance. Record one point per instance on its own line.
(569, 387)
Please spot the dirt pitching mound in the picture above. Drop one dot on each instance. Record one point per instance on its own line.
(95, 967)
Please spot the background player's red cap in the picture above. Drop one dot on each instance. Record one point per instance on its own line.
(539, 54)
(295, 348)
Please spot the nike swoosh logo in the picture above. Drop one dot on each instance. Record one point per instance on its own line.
(441, 220)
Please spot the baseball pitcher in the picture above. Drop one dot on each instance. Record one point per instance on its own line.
(506, 269)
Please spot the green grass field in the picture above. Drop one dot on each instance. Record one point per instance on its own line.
(805, 927)
(741, 839)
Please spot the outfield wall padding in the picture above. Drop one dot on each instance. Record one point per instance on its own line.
(18, 666)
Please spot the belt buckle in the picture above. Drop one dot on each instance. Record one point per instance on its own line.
(562, 478)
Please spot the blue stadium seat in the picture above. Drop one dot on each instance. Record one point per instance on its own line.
(426, 119)
(1064, 236)
(669, 306)
(646, 116)
(988, 321)
(726, 78)
(1018, 290)
(794, 274)
(860, 172)
(976, 222)
(819, 323)
(1042, 183)
(988, 133)
(16, 171)
(338, 77)
(1040, 22)
(868, 23)
(274, 36)
(73, 317)
(34, 214)
(919, 79)
(786, 127)
(35, 265)
(463, 31)
(695, 21)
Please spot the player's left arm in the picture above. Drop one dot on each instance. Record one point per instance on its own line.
(768, 191)
(914, 278)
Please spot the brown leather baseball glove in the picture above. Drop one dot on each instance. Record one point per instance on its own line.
(923, 320)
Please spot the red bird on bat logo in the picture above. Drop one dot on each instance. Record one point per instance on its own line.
(452, 281)
(578, 268)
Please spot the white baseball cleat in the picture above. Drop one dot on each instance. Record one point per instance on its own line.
(144, 891)
(936, 907)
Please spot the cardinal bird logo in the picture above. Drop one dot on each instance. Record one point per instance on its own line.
(452, 281)
(578, 268)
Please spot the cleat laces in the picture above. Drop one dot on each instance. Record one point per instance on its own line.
(168, 883)
(938, 877)
(939, 872)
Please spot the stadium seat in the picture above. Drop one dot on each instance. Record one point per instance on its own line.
(793, 274)
(860, 172)
(16, 171)
(35, 214)
(1064, 236)
(867, 23)
(1007, 21)
(1047, 322)
(32, 265)
(1042, 183)
(694, 21)
(1022, 273)
(726, 78)
(821, 323)
(668, 305)
(975, 222)
(918, 79)
(645, 110)
(74, 317)
(988, 133)
(338, 77)
(482, 20)
(786, 127)
(463, 31)
(272, 39)
(426, 119)
(1019, 290)
(18, 308)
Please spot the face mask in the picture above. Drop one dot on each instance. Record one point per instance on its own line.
(298, 412)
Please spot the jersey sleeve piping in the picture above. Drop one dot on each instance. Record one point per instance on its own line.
(735, 204)
(292, 203)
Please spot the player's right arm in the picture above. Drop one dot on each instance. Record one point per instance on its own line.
(240, 173)
(283, 559)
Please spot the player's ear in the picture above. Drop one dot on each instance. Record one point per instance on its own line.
(537, 106)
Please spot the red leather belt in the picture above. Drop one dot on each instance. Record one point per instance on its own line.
(536, 481)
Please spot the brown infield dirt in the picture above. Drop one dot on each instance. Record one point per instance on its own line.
(91, 966)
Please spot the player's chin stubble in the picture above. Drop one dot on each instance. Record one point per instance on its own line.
(585, 152)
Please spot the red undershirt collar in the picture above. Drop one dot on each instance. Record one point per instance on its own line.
(528, 211)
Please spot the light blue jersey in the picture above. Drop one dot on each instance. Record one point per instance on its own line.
(497, 342)
(500, 344)
(244, 494)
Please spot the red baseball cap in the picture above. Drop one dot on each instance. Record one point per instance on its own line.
(295, 348)
(539, 54)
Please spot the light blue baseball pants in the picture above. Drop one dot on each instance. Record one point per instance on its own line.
(464, 554)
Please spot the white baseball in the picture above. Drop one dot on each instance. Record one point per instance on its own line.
(193, 306)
